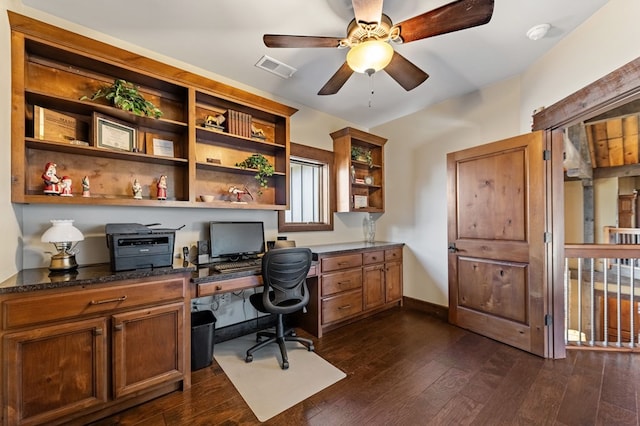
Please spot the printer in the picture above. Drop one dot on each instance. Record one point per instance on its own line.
(136, 246)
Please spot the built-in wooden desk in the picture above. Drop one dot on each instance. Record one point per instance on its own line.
(347, 282)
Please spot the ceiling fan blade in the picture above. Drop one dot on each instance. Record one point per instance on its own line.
(405, 72)
(338, 80)
(367, 11)
(451, 17)
(276, 40)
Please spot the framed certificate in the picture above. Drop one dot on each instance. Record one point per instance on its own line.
(113, 134)
(160, 146)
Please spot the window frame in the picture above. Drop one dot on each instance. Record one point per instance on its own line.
(320, 156)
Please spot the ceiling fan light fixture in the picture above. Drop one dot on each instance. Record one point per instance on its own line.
(369, 55)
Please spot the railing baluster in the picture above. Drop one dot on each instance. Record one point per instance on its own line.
(567, 292)
(592, 301)
(618, 292)
(580, 266)
(606, 302)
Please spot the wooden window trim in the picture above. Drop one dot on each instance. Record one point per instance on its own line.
(323, 156)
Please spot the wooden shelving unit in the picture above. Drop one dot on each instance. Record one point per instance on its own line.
(53, 69)
(352, 193)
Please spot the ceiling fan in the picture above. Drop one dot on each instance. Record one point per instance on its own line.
(369, 34)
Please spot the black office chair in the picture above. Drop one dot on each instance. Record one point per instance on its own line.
(285, 291)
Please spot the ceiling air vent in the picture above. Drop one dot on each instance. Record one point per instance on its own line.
(276, 67)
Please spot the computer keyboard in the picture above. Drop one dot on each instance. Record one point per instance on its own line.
(241, 265)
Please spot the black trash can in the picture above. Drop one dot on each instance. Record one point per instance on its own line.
(202, 334)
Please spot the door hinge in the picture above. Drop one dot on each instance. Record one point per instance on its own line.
(548, 320)
(546, 155)
(547, 237)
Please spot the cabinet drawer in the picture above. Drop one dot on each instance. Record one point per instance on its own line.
(393, 254)
(341, 306)
(373, 257)
(80, 301)
(341, 262)
(341, 281)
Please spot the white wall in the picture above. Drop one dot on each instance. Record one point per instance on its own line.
(24, 224)
(419, 143)
(415, 153)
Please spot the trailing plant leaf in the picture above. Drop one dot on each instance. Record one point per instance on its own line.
(127, 97)
(262, 165)
(358, 152)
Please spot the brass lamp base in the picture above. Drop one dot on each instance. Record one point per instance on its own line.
(63, 261)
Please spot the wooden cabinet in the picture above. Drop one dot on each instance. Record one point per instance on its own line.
(52, 69)
(356, 284)
(77, 352)
(626, 310)
(359, 182)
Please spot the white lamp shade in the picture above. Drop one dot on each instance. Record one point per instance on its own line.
(62, 231)
(370, 55)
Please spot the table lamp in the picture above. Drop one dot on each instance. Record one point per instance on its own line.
(63, 235)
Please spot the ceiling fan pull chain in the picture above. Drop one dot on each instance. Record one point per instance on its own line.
(370, 87)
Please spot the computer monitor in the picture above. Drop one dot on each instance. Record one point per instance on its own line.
(236, 240)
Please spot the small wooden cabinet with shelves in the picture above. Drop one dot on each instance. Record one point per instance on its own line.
(81, 352)
(353, 284)
(359, 182)
(53, 69)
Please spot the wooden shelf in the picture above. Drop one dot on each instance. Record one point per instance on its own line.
(53, 69)
(347, 167)
(102, 152)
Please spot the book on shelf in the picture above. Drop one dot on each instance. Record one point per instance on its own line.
(238, 123)
(58, 127)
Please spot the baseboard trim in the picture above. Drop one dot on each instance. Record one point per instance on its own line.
(438, 311)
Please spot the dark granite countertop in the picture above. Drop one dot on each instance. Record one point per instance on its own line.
(340, 248)
(42, 279)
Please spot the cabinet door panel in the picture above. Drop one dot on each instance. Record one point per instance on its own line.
(148, 348)
(373, 286)
(393, 281)
(55, 371)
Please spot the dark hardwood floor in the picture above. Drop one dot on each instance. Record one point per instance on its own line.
(407, 368)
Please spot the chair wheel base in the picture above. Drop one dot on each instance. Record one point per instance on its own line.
(249, 358)
(285, 365)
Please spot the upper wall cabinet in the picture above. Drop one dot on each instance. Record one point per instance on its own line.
(193, 149)
(359, 164)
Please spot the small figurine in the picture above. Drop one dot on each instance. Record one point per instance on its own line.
(162, 188)
(136, 188)
(51, 181)
(257, 133)
(65, 186)
(85, 187)
(239, 192)
(214, 121)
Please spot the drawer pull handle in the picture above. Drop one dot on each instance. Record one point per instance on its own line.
(344, 282)
(218, 287)
(345, 307)
(97, 332)
(115, 299)
(118, 327)
(343, 263)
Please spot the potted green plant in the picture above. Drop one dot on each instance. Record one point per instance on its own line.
(359, 153)
(261, 165)
(126, 96)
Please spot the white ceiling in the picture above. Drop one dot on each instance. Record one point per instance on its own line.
(225, 37)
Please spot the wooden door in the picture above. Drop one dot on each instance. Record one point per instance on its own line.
(148, 348)
(496, 230)
(55, 371)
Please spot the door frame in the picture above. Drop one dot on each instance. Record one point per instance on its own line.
(611, 91)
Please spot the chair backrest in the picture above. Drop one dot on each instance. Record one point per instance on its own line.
(284, 274)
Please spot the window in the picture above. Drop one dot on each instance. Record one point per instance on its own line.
(311, 200)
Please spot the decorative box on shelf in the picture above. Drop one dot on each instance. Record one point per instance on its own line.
(360, 201)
